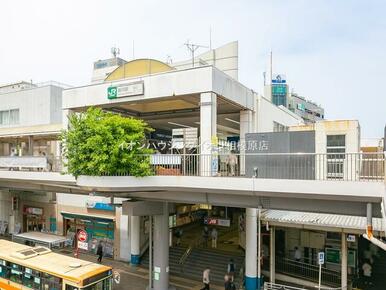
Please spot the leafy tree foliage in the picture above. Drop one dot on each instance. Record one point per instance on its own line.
(102, 143)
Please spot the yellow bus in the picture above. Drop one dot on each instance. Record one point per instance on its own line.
(24, 267)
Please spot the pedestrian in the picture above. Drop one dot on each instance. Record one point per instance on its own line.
(214, 236)
(178, 236)
(231, 268)
(205, 236)
(205, 279)
(229, 283)
(367, 271)
(100, 252)
(297, 254)
(231, 161)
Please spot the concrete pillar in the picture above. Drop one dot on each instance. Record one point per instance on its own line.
(272, 254)
(30, 145)
(161, 250)
(251, 249)
(135, 237)
(208, 134)
(344, 261)
(246, 126)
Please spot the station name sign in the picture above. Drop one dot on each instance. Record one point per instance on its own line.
(125, 90)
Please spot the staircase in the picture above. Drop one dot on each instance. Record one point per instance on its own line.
(198, 261)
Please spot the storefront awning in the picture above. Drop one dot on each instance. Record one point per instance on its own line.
(90, 217)
(321, 221)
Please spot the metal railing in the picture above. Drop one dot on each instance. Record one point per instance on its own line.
(300, 166)
(31, 163)
(307, 271)
(184, 257)
(276, 286)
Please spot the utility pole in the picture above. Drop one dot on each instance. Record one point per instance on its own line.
(271, 68)
(192, 48)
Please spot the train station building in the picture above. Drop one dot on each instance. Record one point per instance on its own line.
(299, 186)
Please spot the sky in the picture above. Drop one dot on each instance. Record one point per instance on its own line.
(332, 51)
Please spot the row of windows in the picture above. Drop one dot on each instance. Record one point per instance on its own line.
(9, 117)
(29, 277)
(277, 127)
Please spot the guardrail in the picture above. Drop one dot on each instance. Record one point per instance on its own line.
(276, 286)
(307, 271)
(301, 166)
(30, 163)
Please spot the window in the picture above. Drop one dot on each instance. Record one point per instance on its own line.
(16, 273)
(9, 117)
(336, 147)
(4, 269)
(277, 127)
(102, 285)
(31, 278)
(51, 282)
(14, 117)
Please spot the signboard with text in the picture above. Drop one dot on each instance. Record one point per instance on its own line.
(321, 258)
(125, 90)
(279, 79)
(82, 240)
(217, 222)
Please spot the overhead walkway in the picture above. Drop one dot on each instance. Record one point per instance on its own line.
(192, 182)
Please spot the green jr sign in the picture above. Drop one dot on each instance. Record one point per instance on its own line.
(112, 93)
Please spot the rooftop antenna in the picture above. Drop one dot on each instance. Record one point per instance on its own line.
(169, 59)
(271, 67)
(192, 48)
(115, 51)
(133, 50)
(210, 38)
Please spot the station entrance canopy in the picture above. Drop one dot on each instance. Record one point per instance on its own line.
(164, 97)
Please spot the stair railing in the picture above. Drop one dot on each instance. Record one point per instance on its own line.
(144, 247)
(184, 257)
(241, 277)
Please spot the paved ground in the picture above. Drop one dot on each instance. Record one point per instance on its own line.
(137, 278)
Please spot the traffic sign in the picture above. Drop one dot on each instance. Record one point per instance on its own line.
(321, 258)
(82, 236)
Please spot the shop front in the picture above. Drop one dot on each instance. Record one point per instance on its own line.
(33, 219)
(98, 229)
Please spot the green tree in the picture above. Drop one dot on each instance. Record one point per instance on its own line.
(102, 143)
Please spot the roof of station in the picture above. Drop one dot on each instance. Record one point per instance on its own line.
(320, 220)
(137, 68)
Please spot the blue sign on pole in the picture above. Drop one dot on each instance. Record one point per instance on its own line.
(321, 258)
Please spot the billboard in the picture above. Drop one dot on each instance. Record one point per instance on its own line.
(278, 89)
(278, 79)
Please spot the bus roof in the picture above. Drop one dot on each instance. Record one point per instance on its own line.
(58, 265)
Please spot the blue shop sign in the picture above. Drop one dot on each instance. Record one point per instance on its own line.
(100, 206)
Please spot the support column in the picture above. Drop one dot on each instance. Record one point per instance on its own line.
(246, 126)
(272, 255)
(135, 236)
(344, 262)
(161, 250)
(208, 134)
(251, 249)
(30, 145)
